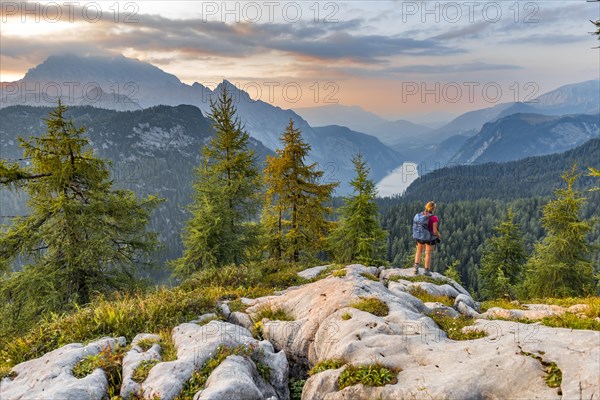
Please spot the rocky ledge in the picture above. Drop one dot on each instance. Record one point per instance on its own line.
(366, 330)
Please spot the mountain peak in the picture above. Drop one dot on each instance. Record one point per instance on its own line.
(100, 69)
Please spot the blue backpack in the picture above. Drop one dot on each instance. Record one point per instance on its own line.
(421, 227)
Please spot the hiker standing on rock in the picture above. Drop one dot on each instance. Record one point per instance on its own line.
(426, 234)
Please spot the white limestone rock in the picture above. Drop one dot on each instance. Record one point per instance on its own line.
(313, 272)
(134, 358)
(236, 378)
(51, 377)
(241, 319)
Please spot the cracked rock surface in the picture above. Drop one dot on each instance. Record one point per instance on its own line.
(508, 363)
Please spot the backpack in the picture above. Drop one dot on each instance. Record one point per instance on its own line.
(421, 227)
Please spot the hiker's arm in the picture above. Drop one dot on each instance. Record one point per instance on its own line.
(435, 229)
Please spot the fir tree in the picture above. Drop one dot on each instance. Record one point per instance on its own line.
(358, 236)
(81, 235)
(294, 211)
(561, 264)
(502, 260)
(226, 195)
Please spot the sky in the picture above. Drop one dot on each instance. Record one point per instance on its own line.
(395, 58)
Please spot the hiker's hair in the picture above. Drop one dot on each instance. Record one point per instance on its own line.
(429, 207)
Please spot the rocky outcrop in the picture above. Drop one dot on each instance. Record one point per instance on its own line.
(406, 340)
(397, 332)
(51, 376)
(196, 344)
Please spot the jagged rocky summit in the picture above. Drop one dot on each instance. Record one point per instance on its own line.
(510, 361)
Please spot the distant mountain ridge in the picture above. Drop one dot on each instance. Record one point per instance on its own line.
(524, 178)
(519, 136)
(357, 119)
(126, 84)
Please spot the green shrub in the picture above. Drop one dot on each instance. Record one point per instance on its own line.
(427, 297)
(296, 386)
(325, 365)
(346, 316)
(368, 375)
(453, 327)
(110, 360)
(372, 305)
(141, 372)
(370, 276)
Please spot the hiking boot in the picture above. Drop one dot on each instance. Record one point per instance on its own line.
(416, 269)
(427, 273)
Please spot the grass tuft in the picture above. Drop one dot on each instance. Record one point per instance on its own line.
(346, 316)
(454, 327)
(553, 373)
(507, 305)
(339, 273)
(372, 305)
(324, 365)
(572, 321)
(368, 375)
(141, 372)
(146, 344)
(427, 297)
(370, 276)
(111, 362)
(6, 372)
(273, 314)
(419, 278)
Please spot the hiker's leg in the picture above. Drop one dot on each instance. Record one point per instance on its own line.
(419, 252)
(428, 255)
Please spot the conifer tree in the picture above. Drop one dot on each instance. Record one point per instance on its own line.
(561, 264)
(595, 172)
(226, 199)
(358, 236)
(81, 235)
(294, 210)
(502, 260)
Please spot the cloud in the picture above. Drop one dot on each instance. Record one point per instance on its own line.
(453, 68)
(469, 31)
(194, 38)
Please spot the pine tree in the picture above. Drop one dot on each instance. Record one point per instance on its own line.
(358, 236)
(294, 211)
(561, 264)
(226, 200)
(81, 235)
(594, 172)
(502, 260)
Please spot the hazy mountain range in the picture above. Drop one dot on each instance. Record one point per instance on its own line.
(494, 133)
(121, 83)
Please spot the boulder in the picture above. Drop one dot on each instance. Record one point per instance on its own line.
(241, 319)
(236, 378)
(51, 376)
(313, 272)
